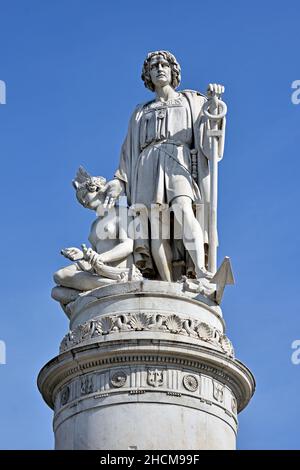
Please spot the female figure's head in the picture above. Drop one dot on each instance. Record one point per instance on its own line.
(90, 190)
(161, 68)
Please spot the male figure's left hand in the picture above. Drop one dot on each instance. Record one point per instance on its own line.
(214, 94)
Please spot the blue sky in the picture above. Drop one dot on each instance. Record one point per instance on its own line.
(72, 71)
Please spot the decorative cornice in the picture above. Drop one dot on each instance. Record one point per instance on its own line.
(95, 357)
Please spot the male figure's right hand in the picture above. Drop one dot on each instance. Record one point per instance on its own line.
(113, 190)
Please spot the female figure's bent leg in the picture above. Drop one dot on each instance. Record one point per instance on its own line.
(72, 277)
(64, 295)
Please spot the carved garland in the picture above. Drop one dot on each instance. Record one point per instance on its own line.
(146, 322)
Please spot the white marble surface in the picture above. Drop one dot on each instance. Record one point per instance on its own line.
(147, 363)
(109, 376)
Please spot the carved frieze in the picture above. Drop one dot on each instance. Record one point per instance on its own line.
(218, 392)
(155, 377)
(146, 322)
(65, 395)
(190, 382)
(86, 384)
(177, 383)
(234, 405)
(118, 379)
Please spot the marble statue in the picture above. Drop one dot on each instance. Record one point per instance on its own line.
(110, 258)
(168, 172)
(166, 162)
(146, 362)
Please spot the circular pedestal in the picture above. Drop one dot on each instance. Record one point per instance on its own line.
(145, 366)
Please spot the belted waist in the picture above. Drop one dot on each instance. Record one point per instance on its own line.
(165, 141)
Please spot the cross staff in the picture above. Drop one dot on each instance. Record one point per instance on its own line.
(214, 133)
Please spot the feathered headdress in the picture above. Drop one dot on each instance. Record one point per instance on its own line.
(84, 181)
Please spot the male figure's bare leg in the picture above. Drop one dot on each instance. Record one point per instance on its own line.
(191, 232)
(162, 255)
(160, 246)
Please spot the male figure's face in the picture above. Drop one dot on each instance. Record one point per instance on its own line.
(160, 71)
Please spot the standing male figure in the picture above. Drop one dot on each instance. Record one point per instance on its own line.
(155, 166)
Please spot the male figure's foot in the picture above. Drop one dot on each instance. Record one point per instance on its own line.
(203, 273)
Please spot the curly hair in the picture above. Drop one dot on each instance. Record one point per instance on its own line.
(95, 184)
(174, 65)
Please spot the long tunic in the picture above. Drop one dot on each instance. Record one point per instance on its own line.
(163, 169)
(155, 162)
